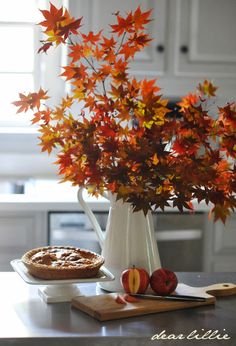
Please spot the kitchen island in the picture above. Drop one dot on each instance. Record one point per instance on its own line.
(27, 320)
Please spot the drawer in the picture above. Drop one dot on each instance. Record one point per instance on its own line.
(224, 264)
(16, 231)
(225, 237)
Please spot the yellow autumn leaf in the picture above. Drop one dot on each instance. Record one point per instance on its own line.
(78, 94)
(91, 188)
(123, 190)
(87, 51)
(141, 109)
(52, 37)
(155, 159)
(159, 190)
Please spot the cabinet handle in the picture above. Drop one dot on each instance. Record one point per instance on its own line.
(184, 49)
(160, 48)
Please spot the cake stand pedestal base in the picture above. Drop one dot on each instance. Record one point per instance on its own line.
(59, 293)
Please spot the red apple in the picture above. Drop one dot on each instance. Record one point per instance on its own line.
(135, 280)
(163, 281)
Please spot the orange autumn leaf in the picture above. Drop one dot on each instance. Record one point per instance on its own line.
(187, 101)
(30, 101)
(73, 71)
(76, 52)
(108, 43)
(149, 87)
(140, 40)
(52, 17)
(44, 115)
(228, 116)
(123, 24)
(155, 159)
(70, 26)
(91, 37)
(105, 70)
(207, 88)
(220, 213)
(141, 18)
(58, 26)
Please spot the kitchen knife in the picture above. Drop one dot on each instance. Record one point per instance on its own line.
(170, 297)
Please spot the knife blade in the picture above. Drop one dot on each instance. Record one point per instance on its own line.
(170, 297)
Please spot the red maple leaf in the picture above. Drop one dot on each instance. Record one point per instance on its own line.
(30, 101)
(45, 47)
(73, 72)
(124, 24)
(220, 212)
(91, 37)
(108, 43)
(107, 131)
(76, 52)
(141, 18)
(42, 115)
(207, 88)
(140, 39)
(98, 53)
(70, 28)
(52, 17)
(129, 49)
(187, 101)
(149, 87)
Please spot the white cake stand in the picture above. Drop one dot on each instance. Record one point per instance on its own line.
(57, 291)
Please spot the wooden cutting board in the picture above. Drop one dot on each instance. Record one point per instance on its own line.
(104, 307)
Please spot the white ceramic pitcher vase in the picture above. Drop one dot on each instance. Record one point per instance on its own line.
(129, 239)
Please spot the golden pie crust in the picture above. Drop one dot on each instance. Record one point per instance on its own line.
(62, 262)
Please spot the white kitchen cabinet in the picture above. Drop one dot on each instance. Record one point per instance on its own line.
(20, 232)
(205, 38)
(225, 238)
(224, 264)
(201, 45)
(98, 15)
(220, 245)
(193, 40)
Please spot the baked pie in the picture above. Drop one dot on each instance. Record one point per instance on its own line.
(62, 262)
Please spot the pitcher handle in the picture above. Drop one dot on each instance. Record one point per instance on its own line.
(92, 218)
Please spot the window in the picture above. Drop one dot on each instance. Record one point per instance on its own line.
(18, 64)
(21, 68)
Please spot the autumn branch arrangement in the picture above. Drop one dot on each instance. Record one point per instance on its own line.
(113, 132)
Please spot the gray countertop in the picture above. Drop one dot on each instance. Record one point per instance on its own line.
(27, 320)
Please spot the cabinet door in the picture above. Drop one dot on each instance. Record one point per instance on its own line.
(225, 264)
(20, 232)
(206, 38)
(225, 237)
(98, 15)
(224, 245)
